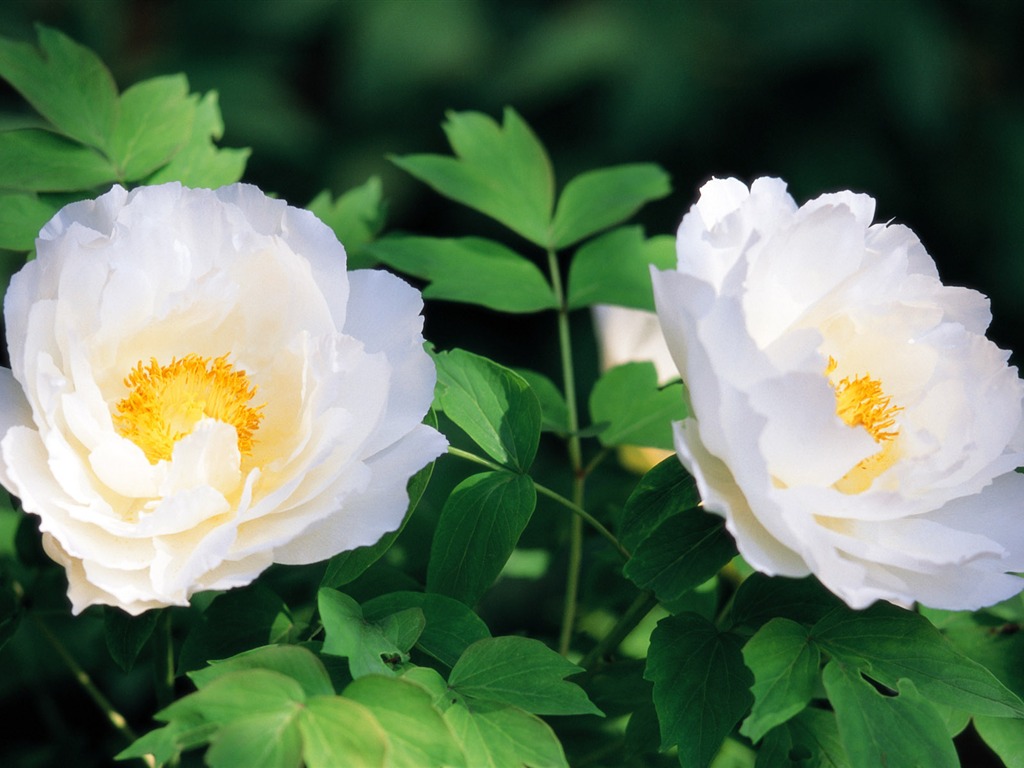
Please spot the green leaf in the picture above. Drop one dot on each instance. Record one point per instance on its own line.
(200, 163)
(236, 696)
(21, 218)
(371, 647)
(418, 734)
(234, 622)
(39, 161)
(881, 636)
(785, 666)
(480, 524)
(470, 270)
(903, 730)
(291, 661)
(501, 171)
(683, 552)
(167, 743)
(616, 269)
(338, 731)
(498, 736)
(491, 404)
(268, 740)
(554, 413)
(126, 634)
(348, 566)
(808, 740)
(602, 198)
(65, 82)
(451, 626)
(357, 217)
(761, 598)
(666, 490)
(688, 654)
(1005, 737)
(155, 121)
(522, 672)
(637, 412)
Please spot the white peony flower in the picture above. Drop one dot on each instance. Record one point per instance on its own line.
(851, 420)
(199, 389)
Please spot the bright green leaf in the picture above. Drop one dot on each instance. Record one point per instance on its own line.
(554, 412)
(236, 696)
(522, 672)
(200, 163)
(357, 217)
(39, 161)
(627, 398)
(340, 732)
(498, 736)
(683, 552)
(616, 269)
(1005, 737)
(451, 626)
(491, 404)
(156, 120)
(419, 735)
(167, 743)
(881, 636)
(66, 83)
(126, 634)
(903, 730)
(291, 661)
(370, 647)
(479, 527)
(688, 654)
(665, 490)
(501, 171)
(21, 218)
(602, 198)
(785, 666)
(469, 269)
(267, 740)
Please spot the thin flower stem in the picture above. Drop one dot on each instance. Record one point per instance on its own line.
(592, 521)
(163, 668)
(640, 607)
(116, 718)
(572, 580)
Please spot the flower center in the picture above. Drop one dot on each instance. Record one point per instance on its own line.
(861, 402)
(167, 401)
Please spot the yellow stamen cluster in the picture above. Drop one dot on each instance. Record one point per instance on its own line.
(165, 402)
(861, 402)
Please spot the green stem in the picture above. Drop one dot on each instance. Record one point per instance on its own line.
(116, 718)
(641, 606)
(163, 670)
(475, 459)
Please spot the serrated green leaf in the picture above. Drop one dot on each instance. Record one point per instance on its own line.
(418, 734)
(39, 161)
(338, 731)
(348, 566)
(451, 626)
(808, 740)
(469, 270)
(875, 730)
(688, 654)
(21, 218)
(235, 622)
(522, 672)
(370, 647)
(666, 490)
(1005, 737)
(65, 82)
(785, 666)
(155, 120)
(881, 636)
(200, 163)
(554, 413)
(761, 598)
(683, 552)
(491, 404)
(480, 524)
(126, 635)
(356, 216)
(501, 171)
(602, 198)
(637, 412)
(616, 269)
(291, 661)
(499, 736)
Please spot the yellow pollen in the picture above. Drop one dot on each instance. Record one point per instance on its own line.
(861, 402)
(165, 402)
